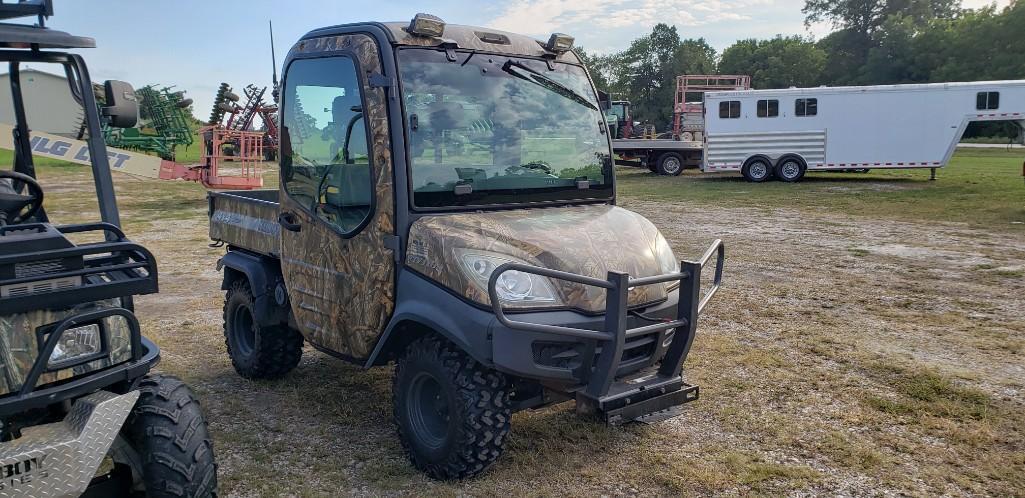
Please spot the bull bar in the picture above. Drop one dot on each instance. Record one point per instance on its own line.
(634, 398)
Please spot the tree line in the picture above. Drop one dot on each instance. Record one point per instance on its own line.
(872, 42)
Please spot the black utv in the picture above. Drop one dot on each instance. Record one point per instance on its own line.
(80, 410)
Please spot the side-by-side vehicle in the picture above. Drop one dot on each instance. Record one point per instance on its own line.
(447, 202)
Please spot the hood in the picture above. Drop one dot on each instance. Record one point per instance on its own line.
(587, 240)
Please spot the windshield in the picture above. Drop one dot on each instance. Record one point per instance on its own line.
(488, 129)
(619, 110)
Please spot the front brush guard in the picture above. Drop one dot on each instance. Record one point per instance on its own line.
(636, 397)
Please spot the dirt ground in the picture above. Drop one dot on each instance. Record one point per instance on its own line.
(844, 356)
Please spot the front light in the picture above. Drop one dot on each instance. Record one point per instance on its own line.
(514, 287)
(76, 343)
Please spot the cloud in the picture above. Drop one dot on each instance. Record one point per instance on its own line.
(539, 17)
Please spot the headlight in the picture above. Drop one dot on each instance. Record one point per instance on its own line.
(514, 287)
(76, 343)
(667, 261)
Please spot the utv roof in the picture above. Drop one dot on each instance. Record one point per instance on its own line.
(465, 37)
(22, 36)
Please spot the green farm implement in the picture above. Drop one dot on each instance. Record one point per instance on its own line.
(166, 128)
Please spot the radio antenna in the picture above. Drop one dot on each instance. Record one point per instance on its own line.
(273, 61)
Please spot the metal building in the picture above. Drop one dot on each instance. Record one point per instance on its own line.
(48, 102)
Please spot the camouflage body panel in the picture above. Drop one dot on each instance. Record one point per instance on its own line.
(586, 240)
(19, 344)
(342, 291)
(469, 37)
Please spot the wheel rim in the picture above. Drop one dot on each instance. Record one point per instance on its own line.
(758, 170)
(243, 328)
(428, 410)
(790, 169)
(671, 165)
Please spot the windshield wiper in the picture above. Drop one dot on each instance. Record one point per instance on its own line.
(546, 82)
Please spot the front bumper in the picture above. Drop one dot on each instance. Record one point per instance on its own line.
(601, 360)
(60, 459)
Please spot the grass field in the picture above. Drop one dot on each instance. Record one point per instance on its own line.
(869, 340)
(981, 187)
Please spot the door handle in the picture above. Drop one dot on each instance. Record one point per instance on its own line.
(287, 221)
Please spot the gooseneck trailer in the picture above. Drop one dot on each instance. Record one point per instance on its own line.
(786, 133)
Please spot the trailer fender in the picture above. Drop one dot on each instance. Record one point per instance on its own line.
(752, 157)
(264, 277)
(790, 155)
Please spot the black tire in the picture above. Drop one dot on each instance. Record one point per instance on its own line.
(256, 351)
(452, 413)
(757, 170)
(790, 169)
(166, 443)
(669, 164)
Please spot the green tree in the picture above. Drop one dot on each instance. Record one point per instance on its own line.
(779, 62)
(597, 66)
(646, 71)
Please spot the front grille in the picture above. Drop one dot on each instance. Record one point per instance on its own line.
(35, 268)
(40, 286)
(556, 355)
(567, 355)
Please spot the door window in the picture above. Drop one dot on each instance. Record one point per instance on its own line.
(325, 160)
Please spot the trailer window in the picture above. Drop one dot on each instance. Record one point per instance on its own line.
(325, 160)
(806, 107)
(768, 108)
(987, 101)
(729, 109)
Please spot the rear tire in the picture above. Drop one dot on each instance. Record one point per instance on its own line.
(452, 413)
(757, 170)
(257, 351)
(790, 169)
(166, 443)
(669, 164)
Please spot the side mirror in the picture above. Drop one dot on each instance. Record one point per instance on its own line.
(122, 106)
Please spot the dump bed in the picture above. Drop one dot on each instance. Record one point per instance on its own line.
(247, 220)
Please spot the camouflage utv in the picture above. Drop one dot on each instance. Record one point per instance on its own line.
(79, 411)
(447, 203)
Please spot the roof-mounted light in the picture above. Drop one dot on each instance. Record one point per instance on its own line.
(426, 25)
(559, 43)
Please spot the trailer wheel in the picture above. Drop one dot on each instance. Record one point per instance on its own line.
(669, 164)
(452, 413)
(757, 170)
(790, 169)
(257, 351)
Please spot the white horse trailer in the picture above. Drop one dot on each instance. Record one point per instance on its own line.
(784, 133)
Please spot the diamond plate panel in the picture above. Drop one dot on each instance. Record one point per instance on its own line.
(59, 459)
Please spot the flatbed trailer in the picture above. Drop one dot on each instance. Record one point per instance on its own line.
(665, 156)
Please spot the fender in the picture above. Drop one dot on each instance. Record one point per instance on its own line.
(444, 314)
(263, 275)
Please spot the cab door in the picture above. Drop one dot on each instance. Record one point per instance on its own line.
(336, 195)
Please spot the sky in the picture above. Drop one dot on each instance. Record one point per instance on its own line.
(195, 45)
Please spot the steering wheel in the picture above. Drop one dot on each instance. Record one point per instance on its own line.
(16, 207)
